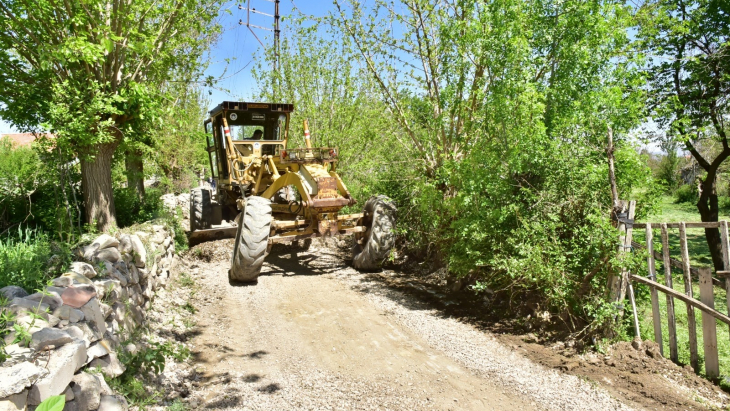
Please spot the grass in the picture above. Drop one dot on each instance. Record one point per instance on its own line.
(23, 259)
(699, 257)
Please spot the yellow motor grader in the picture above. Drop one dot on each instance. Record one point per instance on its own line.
(265, 193)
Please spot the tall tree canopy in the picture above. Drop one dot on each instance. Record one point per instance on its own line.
(86, 70)
(687, 43)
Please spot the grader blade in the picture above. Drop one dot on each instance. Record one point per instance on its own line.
(211, 234)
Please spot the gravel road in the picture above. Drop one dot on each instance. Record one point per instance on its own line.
(316, 334)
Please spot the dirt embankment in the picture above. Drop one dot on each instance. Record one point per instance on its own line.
(316, 334)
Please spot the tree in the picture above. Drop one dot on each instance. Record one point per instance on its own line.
(687, 43)
(86, 70)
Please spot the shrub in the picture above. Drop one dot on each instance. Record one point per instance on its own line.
(686, 194)
(133, 210)
(24, 259)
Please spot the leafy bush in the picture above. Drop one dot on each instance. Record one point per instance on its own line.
(686, 194)
(24, 258)
(133, 210)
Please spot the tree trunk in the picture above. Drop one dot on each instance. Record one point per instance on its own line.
(96, 180)
(709, 212)
(135, 171)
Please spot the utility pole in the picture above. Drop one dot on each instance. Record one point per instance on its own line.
(276, 29)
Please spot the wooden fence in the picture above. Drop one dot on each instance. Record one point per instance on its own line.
(706, 283)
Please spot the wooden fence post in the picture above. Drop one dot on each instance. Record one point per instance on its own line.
(726, 260)
(619, 284)
(656, 315)
(709, 327)
(691, 322)
(671, 322)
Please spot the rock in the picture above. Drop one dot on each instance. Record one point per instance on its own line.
(87, 391)
(71, 314)
(133, 275)
(49, 337)
(105, 389)
(138, 251)
(137, 314)
(125, 243)
(84, 332)
(78, 296)
(110, 290)
(96, 350)
(110, 365)
(62, 365)
(76, 278)
(113, 403)
(111, 255)
(19, 376)
(92, 312)
(20, 305)
(102, 242)
(116, 275)
(13, 291)
(53, 301)
(62, 282)
(69, 393)
(85, 269)
(14, 402)
(71, 406)
(131, 348)
(105, 310)
(17, 353)
(166, 243)
(32, 324)
(53, 320)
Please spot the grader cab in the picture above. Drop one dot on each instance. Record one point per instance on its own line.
(266, 193)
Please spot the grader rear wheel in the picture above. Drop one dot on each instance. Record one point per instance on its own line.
(373, 246)
(252, 237)
(201, 209)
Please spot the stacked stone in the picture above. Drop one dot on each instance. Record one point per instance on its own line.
(78, 323)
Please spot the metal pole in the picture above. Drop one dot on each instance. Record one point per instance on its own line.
(276, 35)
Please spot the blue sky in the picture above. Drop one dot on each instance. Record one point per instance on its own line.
(240, 46)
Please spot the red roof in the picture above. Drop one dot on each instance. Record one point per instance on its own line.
(21, 139)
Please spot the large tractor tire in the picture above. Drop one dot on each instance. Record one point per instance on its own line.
(252, 236)
(373, 246)
(201, 209)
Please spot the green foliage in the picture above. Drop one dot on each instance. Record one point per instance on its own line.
(24, 255)
(501, 112)
(52, 403)
(133, 210)
(686, 194)
(150, 359)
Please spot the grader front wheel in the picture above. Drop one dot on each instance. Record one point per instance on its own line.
(373, 247)
(252, 236)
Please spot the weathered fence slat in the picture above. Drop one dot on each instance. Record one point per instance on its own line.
(682, 296)
(678, 264)
(715, 224)
(691, 322)
(671, 322)
(726, 261)
(709, 331)
(655, 313)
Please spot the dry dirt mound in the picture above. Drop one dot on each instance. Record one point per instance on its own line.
(211, 251)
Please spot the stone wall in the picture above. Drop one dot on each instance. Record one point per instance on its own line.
(77, 325)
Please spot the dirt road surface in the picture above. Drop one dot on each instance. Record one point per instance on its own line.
(316, 334)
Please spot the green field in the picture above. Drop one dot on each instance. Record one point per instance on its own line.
(699, 257)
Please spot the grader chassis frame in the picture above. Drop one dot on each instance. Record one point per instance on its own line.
(276, 194)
